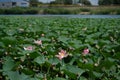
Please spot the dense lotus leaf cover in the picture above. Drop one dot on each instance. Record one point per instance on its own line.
(47, 48)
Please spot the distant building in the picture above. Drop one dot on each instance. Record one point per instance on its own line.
(13, 3)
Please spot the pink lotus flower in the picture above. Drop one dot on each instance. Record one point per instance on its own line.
(29, 48)
(39, 42)
(62, 54)
(85, 52)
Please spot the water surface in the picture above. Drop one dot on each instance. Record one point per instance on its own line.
(71, 16)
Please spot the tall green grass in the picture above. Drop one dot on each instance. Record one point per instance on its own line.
(59, 11)
(63, 10)
(18, 10)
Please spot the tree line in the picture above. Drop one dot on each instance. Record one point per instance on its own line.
(84, 2)
(109, 2)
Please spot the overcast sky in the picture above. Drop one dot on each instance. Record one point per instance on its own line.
(94, 2)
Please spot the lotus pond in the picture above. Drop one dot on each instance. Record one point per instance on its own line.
(47, 48)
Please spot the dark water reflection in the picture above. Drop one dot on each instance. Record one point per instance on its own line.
(72, 16)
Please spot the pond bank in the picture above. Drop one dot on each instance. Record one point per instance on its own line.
(111, 10)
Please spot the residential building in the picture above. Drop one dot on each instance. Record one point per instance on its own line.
(13, 3)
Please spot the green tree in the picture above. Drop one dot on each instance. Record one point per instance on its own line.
(63, 1)
(59, 1)
(109, 2)
(105, 2)
(85, 2)
(68, 1)
(116, 2)
(34, 3)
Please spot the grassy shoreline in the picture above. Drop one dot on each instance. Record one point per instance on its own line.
(51, 9)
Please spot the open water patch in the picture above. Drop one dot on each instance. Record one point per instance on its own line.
(70, 16)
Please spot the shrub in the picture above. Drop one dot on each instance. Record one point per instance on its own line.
(18, 10)
(2, 11)
(101, 12)
(105, 11)
(59, 11)
(31, 11)
(84, 10)
(118, 11)
(14, 11)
